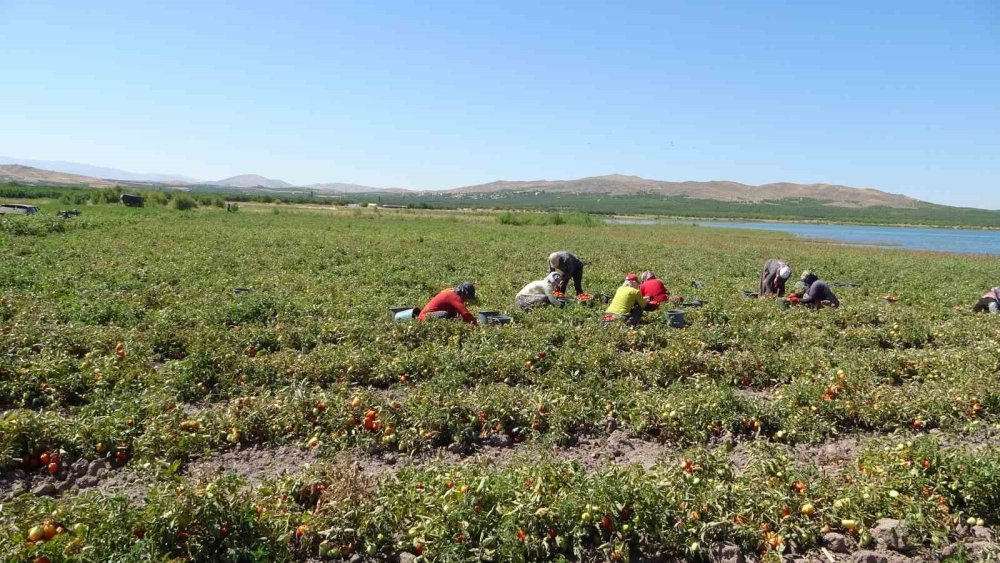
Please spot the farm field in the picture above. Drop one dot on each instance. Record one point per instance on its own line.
(150, 412)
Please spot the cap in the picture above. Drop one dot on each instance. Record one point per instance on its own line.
(631, 278)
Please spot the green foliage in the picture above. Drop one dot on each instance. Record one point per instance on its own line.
(31, 225)
(677, 206)
(127, 342)
(578, 219)
(183, 202)
(558, 206)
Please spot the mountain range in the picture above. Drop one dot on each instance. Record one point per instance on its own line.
(617, 184)
(81, 169)
(614, 184)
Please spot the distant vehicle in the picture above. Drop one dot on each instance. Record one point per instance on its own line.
(17, 209)
(131, 200)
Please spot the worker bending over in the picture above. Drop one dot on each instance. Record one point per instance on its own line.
(653, 290)
(450, 303)
(773, 278)
(628, 302)
(539, 293)
(817, 291)
(568, 266)
(989, 303)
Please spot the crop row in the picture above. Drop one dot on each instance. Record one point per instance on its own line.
(527, 512)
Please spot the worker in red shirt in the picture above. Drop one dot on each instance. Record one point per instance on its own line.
(653, 290)
(450, 303)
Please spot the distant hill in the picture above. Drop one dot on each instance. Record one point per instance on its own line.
(81, 169)
(20, 173)
(617, 184)
(27, 175)
(251, 181)
(338, 188)
(824, 195)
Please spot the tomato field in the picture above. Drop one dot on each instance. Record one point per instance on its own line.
(205, 385)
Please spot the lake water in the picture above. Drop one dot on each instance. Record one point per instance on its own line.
(971, 241)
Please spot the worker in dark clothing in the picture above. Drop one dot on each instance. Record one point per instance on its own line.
(450, 303)
(773, 278)
(568, 266)
(817, 291)
(989, 303)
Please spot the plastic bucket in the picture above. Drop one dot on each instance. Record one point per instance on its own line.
(676, 318)
(405, 315)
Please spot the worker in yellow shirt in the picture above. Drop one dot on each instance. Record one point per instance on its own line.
(628, 302)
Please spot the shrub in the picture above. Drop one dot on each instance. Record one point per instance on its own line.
(577, 219)
(184, 202)
(159, 198)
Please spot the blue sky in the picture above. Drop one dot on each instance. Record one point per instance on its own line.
(900, 96)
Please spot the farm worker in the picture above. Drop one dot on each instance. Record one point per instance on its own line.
(989, 302)
(653, 290)
(539, 293)
(451, 303)
(628, 302)
(568, 266)
(817, 291)
(773, 278)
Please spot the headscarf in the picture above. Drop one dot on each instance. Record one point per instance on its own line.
(553, 278)
(466, 291)
(785, 272)
(994, 293)
(646, 276)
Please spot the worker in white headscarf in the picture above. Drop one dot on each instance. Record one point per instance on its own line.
(539, 293)
(570, 267)
(773, 277)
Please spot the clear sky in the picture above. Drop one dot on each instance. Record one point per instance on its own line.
(901, 96)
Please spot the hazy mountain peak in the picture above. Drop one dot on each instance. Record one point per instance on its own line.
(252, 181)
(30, 175)
(92, 171)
